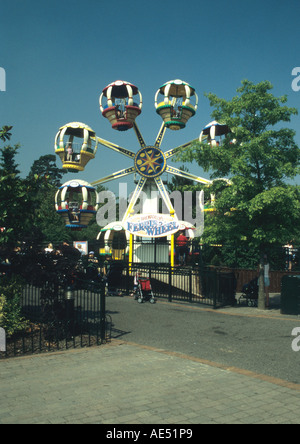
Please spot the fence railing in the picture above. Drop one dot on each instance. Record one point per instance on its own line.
(244, 276)
(209, 286)
(59, 319)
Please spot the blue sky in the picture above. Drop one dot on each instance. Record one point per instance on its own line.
(59, 55)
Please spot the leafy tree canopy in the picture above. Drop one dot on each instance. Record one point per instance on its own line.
(258, 156)
(45, 168)
(5, 133)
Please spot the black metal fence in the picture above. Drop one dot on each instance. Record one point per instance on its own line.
(59, 319)
(210, 286)
(64, 309)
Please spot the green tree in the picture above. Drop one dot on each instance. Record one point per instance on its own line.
(45, 168)
(45, 177)
(11, 318)
(259, 156)
(18, 198)
(15, 199)
(46, 220)
(5, 133)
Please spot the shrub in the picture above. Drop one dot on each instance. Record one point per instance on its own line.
(2, 303)
(11, 318)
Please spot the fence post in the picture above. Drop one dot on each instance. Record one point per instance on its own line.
(102, 314)
(131, 247)
(190, 285)
(70, 309)
(170, 284)
(127, 279)
(215, 288)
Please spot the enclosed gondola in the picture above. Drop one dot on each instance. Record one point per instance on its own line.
(177, 107)
(75, 144)
(213, 130)
(77, 202)
(121, 110)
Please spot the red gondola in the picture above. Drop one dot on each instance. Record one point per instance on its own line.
(120, 110)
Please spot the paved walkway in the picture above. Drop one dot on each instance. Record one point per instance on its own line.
(127, 383)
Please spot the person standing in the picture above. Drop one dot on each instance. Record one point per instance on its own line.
(181, 248)
(69, 151)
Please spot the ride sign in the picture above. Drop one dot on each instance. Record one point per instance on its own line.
(151, 225)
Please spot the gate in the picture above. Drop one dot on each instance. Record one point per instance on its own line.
(209, 286)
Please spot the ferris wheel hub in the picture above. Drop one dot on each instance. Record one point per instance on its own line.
(150, 162)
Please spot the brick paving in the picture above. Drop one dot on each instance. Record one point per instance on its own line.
(127, 383)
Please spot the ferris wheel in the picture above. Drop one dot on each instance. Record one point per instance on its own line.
(121, 103)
